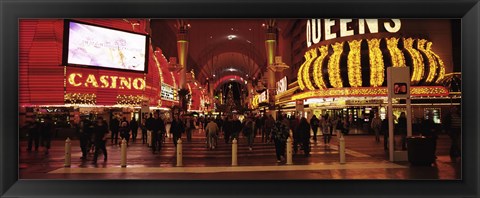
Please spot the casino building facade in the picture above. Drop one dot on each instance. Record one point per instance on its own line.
(48, 87)
(341, 68)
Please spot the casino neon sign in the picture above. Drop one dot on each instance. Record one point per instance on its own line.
(105, 81)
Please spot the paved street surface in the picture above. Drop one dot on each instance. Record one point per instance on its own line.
(365, 159)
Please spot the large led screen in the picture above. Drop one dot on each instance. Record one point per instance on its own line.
(95, 46)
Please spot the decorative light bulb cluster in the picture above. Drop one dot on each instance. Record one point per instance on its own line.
(129, 100)
(418, 66)
(377, 68)
(312, 76)
(80, 99)
(306, 69)
(317, 69)
(354, 64)
(334, 66)
(398, 60)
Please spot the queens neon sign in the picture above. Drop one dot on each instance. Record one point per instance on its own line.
(323, 29)
(104, 81)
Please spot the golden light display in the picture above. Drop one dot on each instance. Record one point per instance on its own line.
(306, 69)
(157, 63)
(317, 68)
(369, 91)
(431, 60)
(398, 59)
(441, 74)
(418, 66)
(80, 99)
(300, 70)
(129, 100)
(377, 64)
(377, 68)
(334, 66)
(354, 64)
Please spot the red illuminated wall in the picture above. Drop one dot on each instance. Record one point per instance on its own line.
(40, 57)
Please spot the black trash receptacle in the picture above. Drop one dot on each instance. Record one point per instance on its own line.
(420, 151)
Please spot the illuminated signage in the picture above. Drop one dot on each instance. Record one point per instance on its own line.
(282, 85)
(324, 29)
(167, 92)
(104, 81)
(263, 96)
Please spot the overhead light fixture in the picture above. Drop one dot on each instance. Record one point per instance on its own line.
(230, 37)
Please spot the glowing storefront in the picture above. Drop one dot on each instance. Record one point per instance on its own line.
(344, 68)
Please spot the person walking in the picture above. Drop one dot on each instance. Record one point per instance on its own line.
(430, 131)
(303, 130)
(269, 123)
(46, 133)
(314, 124)
(177, 128)
(158, 131)
(280, 134)
(402, 129)
(134, 128)
(376, 125)
(124, 130)
(114, 127)
(297, 140)
(212, 132)
(452, 124)
(385, 132)
(236, 128)
(83, 136)
(249, 133)
(346, 126)
(227, 129)
(258, 129)
(33, 135)
(100, 132)
(190, 126)
(326, 123)
(144, 130)
(149, 126)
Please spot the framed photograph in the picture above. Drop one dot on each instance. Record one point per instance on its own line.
(140, 99)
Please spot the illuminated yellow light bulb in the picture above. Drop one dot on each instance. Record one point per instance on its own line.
(334, 66)
(317, 68)
(377, 67)
(354, 64)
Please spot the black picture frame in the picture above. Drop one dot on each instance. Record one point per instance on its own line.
(12, 11)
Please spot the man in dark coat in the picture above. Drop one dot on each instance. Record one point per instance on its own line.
(303, 130)
(430, 131)
(314, 123)
(177, 128)
(236, 128)
(100, 132)
(84, 136)
(114, 127)
(227, 129)
(134, 128)
(46, 133)
(280, 132)
(33, 135)
(158, 130)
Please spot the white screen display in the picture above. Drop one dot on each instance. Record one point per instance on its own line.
(103, 47)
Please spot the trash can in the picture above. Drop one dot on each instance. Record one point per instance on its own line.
(420, 151)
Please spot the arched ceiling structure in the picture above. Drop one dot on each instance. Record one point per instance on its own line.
(221, 47)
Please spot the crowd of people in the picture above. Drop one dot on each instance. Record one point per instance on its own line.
(93, 134)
